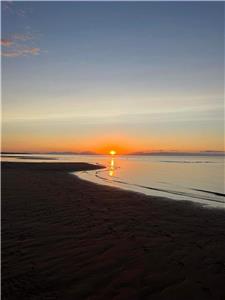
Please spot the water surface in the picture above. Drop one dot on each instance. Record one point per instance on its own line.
(196, 178)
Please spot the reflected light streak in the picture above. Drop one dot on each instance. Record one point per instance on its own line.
(112, 167)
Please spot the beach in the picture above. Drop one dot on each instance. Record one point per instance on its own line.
(66, 238)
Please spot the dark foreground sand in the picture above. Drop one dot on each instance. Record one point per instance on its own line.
(64, 238)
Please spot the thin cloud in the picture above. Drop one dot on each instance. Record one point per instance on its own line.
(22, 37)
(6, 42)
(12, 8)
(7, 6)
(19, 44)
(11, 54)
(22, 52)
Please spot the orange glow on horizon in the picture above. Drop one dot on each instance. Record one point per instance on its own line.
(104, 144)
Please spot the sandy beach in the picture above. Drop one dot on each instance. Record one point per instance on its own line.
(65, 238)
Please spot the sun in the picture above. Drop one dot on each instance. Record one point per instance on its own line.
(112, 152)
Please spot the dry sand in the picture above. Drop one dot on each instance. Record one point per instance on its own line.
(64, 238)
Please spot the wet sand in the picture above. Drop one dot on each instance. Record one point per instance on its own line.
(64, 238)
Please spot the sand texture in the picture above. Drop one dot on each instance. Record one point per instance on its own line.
(64, 238)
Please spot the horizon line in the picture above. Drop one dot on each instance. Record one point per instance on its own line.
(135, 153)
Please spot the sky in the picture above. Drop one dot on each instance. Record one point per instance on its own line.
(95, 76)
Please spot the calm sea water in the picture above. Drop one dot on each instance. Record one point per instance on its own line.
(196, 178)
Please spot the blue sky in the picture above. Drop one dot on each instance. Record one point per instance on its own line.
(88, 73)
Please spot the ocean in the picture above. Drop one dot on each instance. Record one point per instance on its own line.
(195, 178)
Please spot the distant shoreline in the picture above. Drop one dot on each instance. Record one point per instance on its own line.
(28, 157)
(207, 153)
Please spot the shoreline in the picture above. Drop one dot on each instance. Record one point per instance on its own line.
(67, 238)
(209, 203)
(160, 198)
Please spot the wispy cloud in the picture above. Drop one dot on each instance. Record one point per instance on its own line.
(23, 37)
(11, 8)
(6, 42)
(21, 52)
(170, 116)
(7, 6)
(18, 44)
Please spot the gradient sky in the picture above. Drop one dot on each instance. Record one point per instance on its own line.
(131, 76)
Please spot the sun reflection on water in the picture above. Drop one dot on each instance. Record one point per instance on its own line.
(112, 167)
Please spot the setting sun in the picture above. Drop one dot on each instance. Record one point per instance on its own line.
(112, 152)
